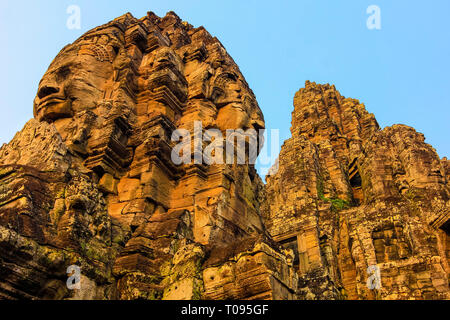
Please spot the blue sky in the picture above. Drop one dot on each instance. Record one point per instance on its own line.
(400, 72)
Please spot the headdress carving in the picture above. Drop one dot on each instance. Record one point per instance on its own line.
(100, 52)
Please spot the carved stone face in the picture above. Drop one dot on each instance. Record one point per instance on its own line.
(238, 107)
(84, 72)
(112, 100)
(74, 82)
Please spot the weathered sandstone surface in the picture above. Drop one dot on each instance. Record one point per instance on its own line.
(349, 196)
(90, 182)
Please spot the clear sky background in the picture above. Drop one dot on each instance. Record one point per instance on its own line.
(401, 72)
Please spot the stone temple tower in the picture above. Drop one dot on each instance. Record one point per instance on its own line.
(90, 180)
(95, 204)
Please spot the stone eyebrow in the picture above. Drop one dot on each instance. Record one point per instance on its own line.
(64, 68)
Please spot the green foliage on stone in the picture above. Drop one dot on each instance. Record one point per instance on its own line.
(336, 203)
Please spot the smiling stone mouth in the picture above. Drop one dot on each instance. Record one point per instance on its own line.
(49, 101)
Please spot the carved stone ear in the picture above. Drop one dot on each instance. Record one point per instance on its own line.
(114, 48)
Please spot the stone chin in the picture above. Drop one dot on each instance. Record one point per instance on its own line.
(53, 110)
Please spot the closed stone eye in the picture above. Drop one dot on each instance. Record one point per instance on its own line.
(62, 73)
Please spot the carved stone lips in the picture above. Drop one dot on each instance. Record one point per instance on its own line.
(49, 101)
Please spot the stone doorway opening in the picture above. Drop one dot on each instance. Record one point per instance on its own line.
(356, 183)
(291, 243)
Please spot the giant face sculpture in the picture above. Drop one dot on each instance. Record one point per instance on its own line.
(76, 79)
(234, 101)
(82, 74)
(115, 96)
(117, 93)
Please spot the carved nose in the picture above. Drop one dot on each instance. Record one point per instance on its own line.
(46, 91)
